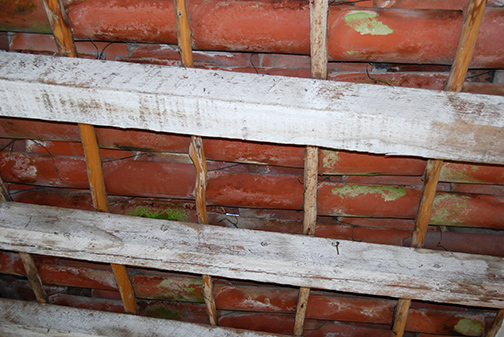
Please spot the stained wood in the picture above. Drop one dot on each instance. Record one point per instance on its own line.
(371, 118)
(64, 40)
(463, 57)
(32, 317)
(466, 45)
(297, 260)
(61, 28)
(34, 277)
(310, 190)
(497, 329)
(431, 178)
(302, 304)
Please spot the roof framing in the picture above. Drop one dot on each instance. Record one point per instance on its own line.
(359, 117)
(32, 319)
(254, 255)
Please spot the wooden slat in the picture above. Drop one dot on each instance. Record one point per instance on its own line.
(456, 79)
(497, 328)
(318, 68)
(33, 319)
(196, 151)
(458, 126)
(28, 262)
(349, 266)
(64, 40)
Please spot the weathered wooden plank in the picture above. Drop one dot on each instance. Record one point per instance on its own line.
(497, 329)
(254, 255)
(82, 322)
(378, 119)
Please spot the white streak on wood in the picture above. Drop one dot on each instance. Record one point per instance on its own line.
(254, 255)
(83, 322)
(378, 119)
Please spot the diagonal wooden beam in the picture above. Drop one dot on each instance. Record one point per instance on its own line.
(28, 261)
(196, 151)
(463, 56)
(64, 40)
(497, 328)
(318, 52)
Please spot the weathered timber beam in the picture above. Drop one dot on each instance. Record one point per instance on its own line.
(254, 255)
(25, 318)
(377, 119)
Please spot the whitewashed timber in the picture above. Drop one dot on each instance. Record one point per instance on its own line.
(297, 260)
(346, 116)
(33, 319)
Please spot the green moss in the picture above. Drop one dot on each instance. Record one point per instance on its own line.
(178, 214)
(180, 290)
(351, 52)
(131, 148)
(469, 327)
(458, 173)
(388, 193)
(162, 312)
(448, 209)
(329, 158)
(365, 23)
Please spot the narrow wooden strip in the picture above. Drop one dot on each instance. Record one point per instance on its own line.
(425, 123)
(66, 47)
(196, 151)
(466, 45)
(84, 322)
(456, 79)
(431, 178)
(497, 329)
(34, 277)
(208, 296)
(356, 267)
(197, 155)
(310, 190)
(125, 288)
(318, 68)
(400, 317)
(61, 28)
(302, 304)
(28, 262)
(94, 167)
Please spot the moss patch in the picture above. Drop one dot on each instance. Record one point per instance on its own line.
(459, 173)
(449, 209)
(162, 312)
(388, 193)
(469, 327)
(178, 214)
(365, 23)
(330, 158)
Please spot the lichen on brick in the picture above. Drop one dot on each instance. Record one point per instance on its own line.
(387, 193)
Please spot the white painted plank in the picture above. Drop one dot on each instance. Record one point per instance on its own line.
(254, 255)
(371, 118)
(82, 322)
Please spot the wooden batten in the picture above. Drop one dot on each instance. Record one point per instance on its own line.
(66, 47)
(377, 119)
(318, 68)
(297, 260)
(28, 262)
(456, 79)
(33, 319)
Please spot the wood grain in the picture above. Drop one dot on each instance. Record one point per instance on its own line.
(440, 125)
(64, 40)
(20, 318)
(497, 328)
(458, 72)
(254, 255)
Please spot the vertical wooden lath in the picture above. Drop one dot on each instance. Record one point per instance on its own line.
(27, 259)
(66, 47)
(458, 72)
(497, 329)
(318, 51)
(196, 151)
